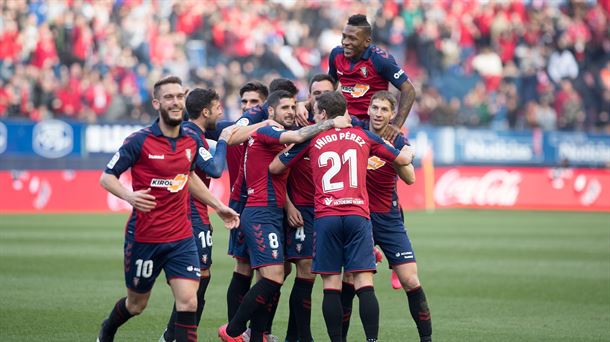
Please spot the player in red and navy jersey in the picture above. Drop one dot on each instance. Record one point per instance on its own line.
(263, 214)
(250, 121)
(299, 232)
(364, 69)
(158, 234)
(343, 233)
(204, 109)
(386, 217)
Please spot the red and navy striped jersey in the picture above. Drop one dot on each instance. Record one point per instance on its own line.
(162, 164)
(263, 188)
(300, 182)
(381, 177)
(339, 159)
(235, 153)
(362, 78)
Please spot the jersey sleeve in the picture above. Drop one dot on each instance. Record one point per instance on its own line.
(400, 141)
(215, 133)
(386, 66)
(204, 161)
(358, 123)
(332, 68)
(253, 116)
(296, 153)
(269, 135)
(126, 156)
(380, 148)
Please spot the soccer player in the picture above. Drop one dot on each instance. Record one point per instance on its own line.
(158, 234)
(263, 214)
(251, 120)
(364, 69)
(388, 223)
(204, 109)
(299, 233)
(343, 233)
(252, 94)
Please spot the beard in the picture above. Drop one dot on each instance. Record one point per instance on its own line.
(167, 119)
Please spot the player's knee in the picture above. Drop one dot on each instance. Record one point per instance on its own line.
(243, 268)
(409, 281)
(187, 304)
(304, 269)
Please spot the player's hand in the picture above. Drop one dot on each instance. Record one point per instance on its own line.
(142, 200)
(409, 151)
(229, 216)
(227, 132)
(273, 123)
(302, 114)
(390, 132)
(342, 122)
(294, 217)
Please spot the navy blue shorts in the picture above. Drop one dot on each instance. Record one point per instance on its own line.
(237, 239)
(203, 236)
(390, 234)
(343, 241)
(263, 229)
(144, 262)
(299, 241)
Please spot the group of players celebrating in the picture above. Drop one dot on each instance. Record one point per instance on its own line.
(312, 184)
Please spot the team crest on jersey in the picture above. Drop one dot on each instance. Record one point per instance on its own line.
(189, 155)
(172, 185)
(375, 163)
(274, 253)
(358, 90)
(364, 71)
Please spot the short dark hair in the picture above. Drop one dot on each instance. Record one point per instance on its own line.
(255, 86)
(322, 77)
(198, 99)
(333, 103)
(359, 20)
(274, 98)
(283, 84)
(165, 80)
(385, 95)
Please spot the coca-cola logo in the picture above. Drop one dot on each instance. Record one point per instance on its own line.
(494, 188)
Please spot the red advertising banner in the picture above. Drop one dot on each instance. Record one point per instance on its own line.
(447, 187)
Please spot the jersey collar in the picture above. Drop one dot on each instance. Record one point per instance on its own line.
(156, 130)
(368, 52)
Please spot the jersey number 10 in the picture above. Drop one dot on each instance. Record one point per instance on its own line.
(336, 163)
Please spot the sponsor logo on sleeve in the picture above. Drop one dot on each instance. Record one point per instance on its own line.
(242, 122)
(398, 74)
(172, 185)
(205, 154)
(114, 160)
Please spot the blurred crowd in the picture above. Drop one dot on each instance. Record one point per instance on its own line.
(497, 64)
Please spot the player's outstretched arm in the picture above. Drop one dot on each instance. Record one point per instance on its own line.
(242, 133)
(140, 200)
(308, 132)
(201, 192)
(302, 112)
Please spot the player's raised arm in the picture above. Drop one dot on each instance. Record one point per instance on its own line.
(201, 192)
(308, 132)
(407, 98)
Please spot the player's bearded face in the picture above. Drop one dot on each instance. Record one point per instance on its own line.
(170, 104)
(284, 113)
(215, 114)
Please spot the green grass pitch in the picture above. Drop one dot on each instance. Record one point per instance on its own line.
(488, 275)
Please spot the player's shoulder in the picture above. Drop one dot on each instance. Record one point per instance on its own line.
(379, 53)
(139, 135)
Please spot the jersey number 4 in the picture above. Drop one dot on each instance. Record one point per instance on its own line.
(336, 162)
